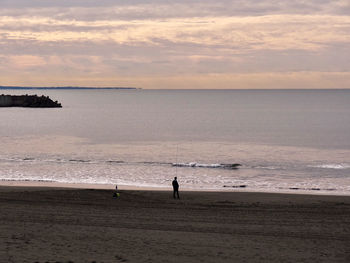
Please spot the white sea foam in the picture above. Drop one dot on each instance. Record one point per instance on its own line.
(204, 165)
(332, 166)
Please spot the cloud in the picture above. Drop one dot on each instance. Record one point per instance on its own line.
(263, 32)
(26, 61)
(155, 39)
(137, 9)
(63, 12)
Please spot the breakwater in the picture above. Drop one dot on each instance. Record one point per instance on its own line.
(32, 101)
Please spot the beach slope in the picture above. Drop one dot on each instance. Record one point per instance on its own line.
(86, 225)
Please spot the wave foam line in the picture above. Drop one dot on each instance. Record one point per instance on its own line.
(201, 165)
(27, 180)
(332, 166)
(119, 162)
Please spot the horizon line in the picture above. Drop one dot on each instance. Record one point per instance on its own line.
(63, 87)
(135, 88)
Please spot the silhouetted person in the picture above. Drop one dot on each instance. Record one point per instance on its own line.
(176, 188)
(116, 194)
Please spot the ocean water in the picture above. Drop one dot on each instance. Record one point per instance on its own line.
(285, 140)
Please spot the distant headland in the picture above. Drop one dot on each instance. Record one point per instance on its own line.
(68, 88)
(31, 101)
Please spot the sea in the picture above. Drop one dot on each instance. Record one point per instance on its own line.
(294, 141)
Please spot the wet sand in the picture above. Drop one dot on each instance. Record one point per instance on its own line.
(41, 224)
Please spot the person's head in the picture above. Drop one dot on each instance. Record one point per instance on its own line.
(175, 178)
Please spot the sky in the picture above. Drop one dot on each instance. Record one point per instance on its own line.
(177, 44)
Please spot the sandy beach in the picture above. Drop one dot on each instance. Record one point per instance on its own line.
(42, 224)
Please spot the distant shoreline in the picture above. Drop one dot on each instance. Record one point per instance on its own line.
(67, 88)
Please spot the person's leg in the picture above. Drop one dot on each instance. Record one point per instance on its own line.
(174, 194)
(177, 192)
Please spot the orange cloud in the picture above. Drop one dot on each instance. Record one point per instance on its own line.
(210, 45)
(261, 32)
(26, 61)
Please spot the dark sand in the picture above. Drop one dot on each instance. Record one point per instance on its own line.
(69, 225)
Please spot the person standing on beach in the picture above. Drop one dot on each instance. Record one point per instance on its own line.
(176, 188)
(116, 194)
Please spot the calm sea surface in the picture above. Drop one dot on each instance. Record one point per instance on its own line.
(291, 140)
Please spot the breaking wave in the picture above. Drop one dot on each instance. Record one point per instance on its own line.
(27, 180)
(332, 166)
(202, 165)
(120, 162)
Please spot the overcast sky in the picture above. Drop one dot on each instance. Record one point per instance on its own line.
(176, 44)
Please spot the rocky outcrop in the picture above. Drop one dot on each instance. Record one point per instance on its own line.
(32, 101)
